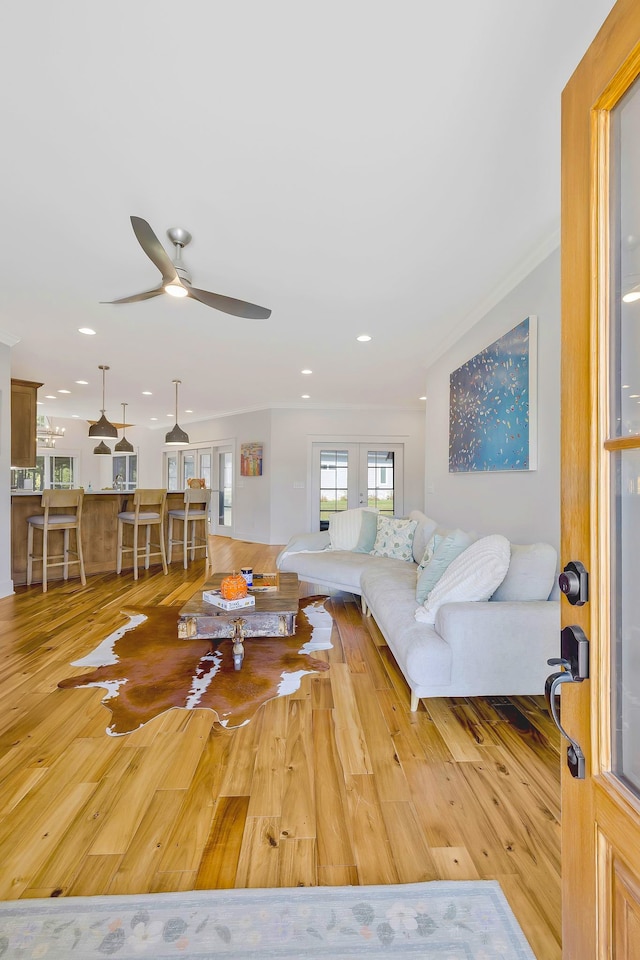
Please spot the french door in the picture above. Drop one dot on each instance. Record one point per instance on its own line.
(347, 475)
(601, 492)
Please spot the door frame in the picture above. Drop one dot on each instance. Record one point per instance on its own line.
(351, 442)
(605, 71)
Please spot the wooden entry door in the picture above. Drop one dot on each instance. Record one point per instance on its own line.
(600, 493)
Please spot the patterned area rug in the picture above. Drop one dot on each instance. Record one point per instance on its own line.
(441, 920)
(146, 670)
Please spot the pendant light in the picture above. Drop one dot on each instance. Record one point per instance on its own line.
(176, 437)
(102, 449)
(103, 430)
(123, 446)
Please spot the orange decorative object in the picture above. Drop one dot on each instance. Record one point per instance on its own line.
(234, 587)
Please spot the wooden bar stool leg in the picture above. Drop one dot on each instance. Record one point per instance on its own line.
(147, 546)
(29, 554)
(83, 579)
(185, 536)
(119, 548)
(135, 551)
(162, 550)
(170, 540)
(45, 545)
(65, 555)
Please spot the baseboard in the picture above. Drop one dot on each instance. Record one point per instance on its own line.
(6, 588)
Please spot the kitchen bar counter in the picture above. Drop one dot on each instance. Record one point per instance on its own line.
(100, 511)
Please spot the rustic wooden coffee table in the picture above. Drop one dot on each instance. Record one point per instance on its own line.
(274, 615)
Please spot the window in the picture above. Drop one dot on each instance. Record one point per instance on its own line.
(124, 471)
(51, 472)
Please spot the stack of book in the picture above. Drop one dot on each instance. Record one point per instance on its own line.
(215, 597)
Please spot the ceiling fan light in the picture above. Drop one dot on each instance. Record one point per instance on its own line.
(103, 430)
(175, 289)
(102, 449)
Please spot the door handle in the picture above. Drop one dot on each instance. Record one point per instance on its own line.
(574, 664)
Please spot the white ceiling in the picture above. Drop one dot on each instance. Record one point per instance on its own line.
(357, 166)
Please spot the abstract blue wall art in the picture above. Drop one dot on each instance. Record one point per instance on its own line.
(492, 406)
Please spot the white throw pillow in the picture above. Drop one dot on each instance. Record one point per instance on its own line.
(473, 575)
(394, 538)
(344, 528)
(425, 529)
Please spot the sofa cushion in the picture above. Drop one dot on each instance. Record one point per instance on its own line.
(531, 574)
(368, 532)
(339, 569)
(394, 538)
(474, 575)
(439, 555)
(424, 531)
(344, 528)
(424, 657)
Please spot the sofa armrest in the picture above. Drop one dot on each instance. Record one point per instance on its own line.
(305, 543)
(503, 641)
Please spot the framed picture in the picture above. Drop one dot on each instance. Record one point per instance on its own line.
(492, 406)
(250, 459)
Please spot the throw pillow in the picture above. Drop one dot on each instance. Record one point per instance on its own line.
(344, 528)
(368, 532)
(394, 538)
(474, 575)
(426, 527)
(439, 555)
(531, 574)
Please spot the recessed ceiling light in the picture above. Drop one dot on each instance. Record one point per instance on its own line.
(153, 418)
(38, 403)
(422, 398)
(188, 411)
(64, 391)
(87, 330)
(170, 414)
(83, 383)
(631, 297)
(147, 393)
(634, 396)
(625, 386)
(305, 396)
(75, 416)
(306, 371)
(363, 338)
(48, 396)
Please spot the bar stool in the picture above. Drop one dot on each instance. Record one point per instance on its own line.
(189, 516)
(69, 500)
(143, 518)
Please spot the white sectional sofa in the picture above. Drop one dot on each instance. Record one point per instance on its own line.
(496, 647)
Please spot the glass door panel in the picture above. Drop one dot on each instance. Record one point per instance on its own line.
(624, 437)
(347, 475)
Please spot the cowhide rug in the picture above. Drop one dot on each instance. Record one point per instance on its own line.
(146, 670)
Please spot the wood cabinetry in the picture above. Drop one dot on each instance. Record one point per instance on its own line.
(24, 394)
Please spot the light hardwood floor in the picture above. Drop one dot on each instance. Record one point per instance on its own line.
(337, 784)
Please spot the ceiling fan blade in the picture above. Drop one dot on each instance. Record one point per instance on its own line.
(154, 249)
(237, 308)
(138, 296)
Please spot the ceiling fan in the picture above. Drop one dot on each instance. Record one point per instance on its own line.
(176, 279)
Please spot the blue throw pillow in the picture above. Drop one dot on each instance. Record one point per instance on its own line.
(444, 552)
(368, 532)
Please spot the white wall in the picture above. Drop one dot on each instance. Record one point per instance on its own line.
(270, 508)
(525, 506)
(294, 431)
